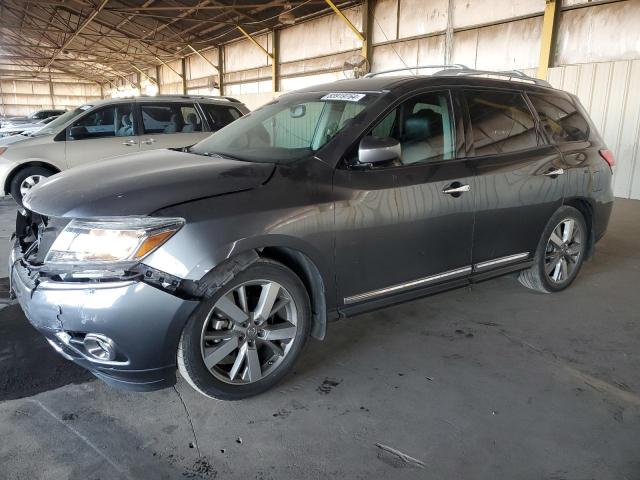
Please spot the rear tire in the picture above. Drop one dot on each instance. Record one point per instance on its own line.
(25, 179)
(560, 253)
(245, 338)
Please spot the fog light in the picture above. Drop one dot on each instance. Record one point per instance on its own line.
(99, 347)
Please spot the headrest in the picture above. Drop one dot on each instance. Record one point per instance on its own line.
(192, 119)
(422, 125)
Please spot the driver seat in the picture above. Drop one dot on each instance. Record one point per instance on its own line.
(421, 131)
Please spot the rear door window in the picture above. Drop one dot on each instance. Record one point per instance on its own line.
(501, 122)
(560, 118)
(219, 116)
(170, 118)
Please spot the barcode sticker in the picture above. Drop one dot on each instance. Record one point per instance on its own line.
(344, 96)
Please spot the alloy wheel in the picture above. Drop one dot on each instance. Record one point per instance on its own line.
(249, 331)
(564, 250)
(30, 182)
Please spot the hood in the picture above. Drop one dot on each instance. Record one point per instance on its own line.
(142, 183)
(7, 127)
(12, 139)
(9, 120)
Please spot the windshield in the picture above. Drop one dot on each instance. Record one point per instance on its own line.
(290, 128)
(60, 121)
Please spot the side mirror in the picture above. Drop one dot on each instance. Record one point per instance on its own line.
(374, 150)
(298, 111)
(78, 133)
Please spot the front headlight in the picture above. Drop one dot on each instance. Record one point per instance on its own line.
(111, 240)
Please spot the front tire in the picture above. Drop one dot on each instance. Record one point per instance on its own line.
(248, 335)
(560, 253)
(25, 180)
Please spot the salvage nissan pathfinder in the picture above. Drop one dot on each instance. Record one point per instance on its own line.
(220, 259)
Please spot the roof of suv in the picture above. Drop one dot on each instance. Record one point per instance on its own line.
(381, 83)
(171, 98)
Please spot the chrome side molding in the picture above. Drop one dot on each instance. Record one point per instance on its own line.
(499, 261)
(435, 278)
(405, 286)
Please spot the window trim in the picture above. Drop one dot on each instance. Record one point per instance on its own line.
(458, 143)
(572, 102)
(205, 116)
(532, 112)
(195, 105)
(67, 129)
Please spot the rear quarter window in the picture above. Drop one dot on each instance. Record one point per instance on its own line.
(219, 116)
(560, 118)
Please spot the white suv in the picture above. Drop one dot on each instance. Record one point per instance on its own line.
(108, 128)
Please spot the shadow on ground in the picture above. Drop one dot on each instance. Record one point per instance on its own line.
(28, 365)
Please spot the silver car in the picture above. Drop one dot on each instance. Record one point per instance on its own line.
(109, 128)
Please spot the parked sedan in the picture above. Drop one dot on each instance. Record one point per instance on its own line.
(109, 128)
(32, 118)
(25, 129)
(221, 259)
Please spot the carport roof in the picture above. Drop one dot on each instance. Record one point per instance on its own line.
(102, 40)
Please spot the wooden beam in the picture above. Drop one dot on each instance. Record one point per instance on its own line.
(84, 24)
(158, 78)
(169, 67)
(275, 60)
(342, 16)
(141, 72)
(549, 27)
(184, 75)
(202, 56)
(367, 27)
(221, 69)
(254, 41)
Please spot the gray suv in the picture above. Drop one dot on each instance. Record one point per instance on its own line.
(108, 128)
(221, 259)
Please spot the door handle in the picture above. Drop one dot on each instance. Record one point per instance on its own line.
(554, 173)
(130, 143)
(148, 141)
(456, 189)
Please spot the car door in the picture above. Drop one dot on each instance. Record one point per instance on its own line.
(519, 177)
(408, 224)
(101, 133)
(170, 125)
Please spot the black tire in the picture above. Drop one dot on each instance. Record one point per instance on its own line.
(536, 277)
(21, 176)
(189, 356)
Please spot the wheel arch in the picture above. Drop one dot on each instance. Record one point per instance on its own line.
(292, 255)
(312, 279)
(22, 166)
(585, 207)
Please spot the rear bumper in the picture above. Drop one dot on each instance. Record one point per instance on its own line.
(143, 322)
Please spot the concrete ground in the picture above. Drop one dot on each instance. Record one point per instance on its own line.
(489, 382)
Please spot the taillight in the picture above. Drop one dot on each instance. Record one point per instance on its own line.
(607, 156)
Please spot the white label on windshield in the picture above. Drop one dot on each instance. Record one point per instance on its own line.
(344, 96)
(85, 107)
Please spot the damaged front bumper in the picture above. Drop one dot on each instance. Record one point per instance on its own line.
(142, 322)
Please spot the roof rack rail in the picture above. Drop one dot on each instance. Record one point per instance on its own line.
(181, 95)
(458, 69)
(508, 74)
(222, 97)
(455, 66)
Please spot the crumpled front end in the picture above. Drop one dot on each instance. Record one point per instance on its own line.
(124, 329)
